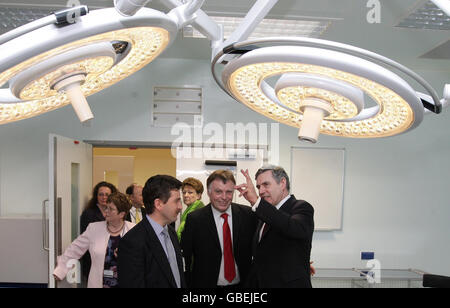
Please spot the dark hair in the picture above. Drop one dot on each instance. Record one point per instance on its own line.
(121, 202)
(194, 183)
(130, 189)
(158, 187)
(93, 202)
(224, 175)
(277, 173)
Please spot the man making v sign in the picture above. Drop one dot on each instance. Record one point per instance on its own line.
(282, 242)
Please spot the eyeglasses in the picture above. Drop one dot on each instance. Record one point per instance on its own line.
(110, 209)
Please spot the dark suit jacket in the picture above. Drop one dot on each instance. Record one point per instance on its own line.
(281, 258)
(201, 246)
(90, 215)
(142, 262)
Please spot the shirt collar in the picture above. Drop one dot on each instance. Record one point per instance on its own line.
(156, 226)
(282, 202)
(217, 214)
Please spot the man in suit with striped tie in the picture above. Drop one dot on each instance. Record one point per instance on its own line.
(137, 212)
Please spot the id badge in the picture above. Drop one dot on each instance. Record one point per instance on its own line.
(108, 274)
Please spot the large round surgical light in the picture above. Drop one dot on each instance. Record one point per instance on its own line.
(321, 89)
(53, 66)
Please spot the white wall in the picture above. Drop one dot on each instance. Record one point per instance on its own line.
(395, 197)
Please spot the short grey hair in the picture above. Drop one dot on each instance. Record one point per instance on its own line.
(277, 172)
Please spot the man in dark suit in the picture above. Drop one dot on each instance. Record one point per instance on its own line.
(282, 243)
(149, 255)
(217, 238)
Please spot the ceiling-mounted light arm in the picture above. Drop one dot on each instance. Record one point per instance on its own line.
(129, 7)
(193, 6)
(253, 18)
(444, 5)
(58, 18)
(203, 23)
(182, 13)
(426, 99)
(435, 104)
(185, 14)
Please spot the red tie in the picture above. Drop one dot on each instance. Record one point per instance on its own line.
(230, 271)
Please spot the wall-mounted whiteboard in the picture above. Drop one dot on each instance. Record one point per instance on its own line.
(317, 176)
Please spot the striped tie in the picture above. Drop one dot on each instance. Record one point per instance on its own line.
(138, 216)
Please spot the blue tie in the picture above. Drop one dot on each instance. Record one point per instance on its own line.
(171, 257)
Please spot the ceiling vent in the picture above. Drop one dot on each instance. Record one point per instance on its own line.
(11, 18)
(426, 16)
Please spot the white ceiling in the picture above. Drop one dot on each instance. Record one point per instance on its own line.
(349, 25)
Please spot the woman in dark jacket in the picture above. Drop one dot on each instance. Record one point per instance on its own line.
(95, 208)
(94, 212)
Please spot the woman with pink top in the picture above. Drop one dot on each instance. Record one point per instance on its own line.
(101, 239)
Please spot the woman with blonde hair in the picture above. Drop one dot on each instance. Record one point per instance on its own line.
(192, 190)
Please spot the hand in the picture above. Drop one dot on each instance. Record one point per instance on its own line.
(247, 190)
(56, 277)
(313, 270)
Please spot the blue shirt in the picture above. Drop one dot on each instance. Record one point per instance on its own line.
(159, 232)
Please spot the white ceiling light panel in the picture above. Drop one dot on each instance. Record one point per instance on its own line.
(268, 27)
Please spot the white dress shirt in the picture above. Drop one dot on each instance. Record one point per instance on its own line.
(133, 214)
(221, 281)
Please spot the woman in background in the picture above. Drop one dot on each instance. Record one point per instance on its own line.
(192, 190)
(94, 212)
(95, 209)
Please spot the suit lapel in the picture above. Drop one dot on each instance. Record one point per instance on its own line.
(285, 208)
(260, 226)
(236, 225)
(256, 236)
(158, 252)
(266, 230)
(212, 228)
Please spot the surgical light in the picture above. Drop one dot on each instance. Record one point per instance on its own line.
(321, 85)
(49, 66)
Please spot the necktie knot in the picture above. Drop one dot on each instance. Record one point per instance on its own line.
(224, 216)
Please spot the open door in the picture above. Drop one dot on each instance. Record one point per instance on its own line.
(70, 185)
